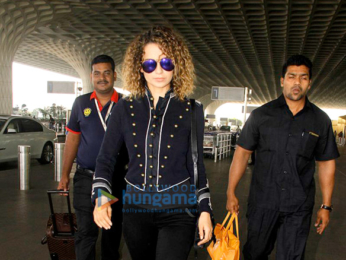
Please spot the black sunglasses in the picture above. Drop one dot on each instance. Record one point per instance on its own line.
(150, 65)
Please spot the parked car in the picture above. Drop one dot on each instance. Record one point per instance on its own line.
(19, 130)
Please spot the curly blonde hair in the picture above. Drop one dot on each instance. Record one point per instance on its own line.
(173, 46)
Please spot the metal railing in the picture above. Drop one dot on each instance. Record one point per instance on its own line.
(217, 145)
(223, 147)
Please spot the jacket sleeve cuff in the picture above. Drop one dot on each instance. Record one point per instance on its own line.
(97, 187)
(205, 206)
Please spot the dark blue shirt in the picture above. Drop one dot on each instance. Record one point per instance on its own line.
(85, 121)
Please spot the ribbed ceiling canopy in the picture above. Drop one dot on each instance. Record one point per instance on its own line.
(241, 43)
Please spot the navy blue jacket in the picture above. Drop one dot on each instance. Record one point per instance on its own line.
(152, 165)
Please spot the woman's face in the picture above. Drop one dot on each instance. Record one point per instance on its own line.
(159, 78)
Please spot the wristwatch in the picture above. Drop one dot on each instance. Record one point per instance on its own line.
(327, 207)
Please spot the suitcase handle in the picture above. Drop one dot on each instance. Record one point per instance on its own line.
(58, 191)
(50, 192)
(44, 240)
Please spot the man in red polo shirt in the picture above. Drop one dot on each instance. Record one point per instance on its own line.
(86, 129)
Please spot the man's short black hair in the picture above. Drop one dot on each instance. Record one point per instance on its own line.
(103, 59)
(297, 60)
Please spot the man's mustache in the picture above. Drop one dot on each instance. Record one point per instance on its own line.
(103, 81)
(297, 87)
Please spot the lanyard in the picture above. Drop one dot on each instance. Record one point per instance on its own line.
(107, 115)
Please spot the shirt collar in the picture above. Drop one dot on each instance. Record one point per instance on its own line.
(167, 95)
(281, 101)
(114, 97)
(307, 102)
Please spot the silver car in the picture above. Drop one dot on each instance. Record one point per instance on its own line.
(19, 130)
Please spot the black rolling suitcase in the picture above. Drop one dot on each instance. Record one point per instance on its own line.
(60, 231)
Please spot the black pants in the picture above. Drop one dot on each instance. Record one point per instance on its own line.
(253, 157)
(290, 230)
(158, 235)
(87, 234)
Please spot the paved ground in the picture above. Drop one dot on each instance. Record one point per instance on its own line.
(24, 213)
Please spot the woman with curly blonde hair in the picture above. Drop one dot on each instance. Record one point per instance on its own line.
(174, 47)
(154, 122)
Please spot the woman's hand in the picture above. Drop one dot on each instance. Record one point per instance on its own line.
(102, 216)
(205, 228)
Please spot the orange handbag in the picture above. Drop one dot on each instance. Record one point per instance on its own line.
(226, 245)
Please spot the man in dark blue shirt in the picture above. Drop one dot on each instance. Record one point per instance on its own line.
(289, 134)
(86, 129)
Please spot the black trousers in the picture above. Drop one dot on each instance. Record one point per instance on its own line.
(253, 157)
(86, 237)
(290, 230)
(158, 235)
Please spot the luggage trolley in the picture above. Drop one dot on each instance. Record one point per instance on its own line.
(209, 144)
(217, 145)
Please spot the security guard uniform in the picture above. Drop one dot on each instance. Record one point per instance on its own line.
(282, 189)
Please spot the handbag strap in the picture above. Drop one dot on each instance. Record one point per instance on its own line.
(237, 226)
(194, 144)
(230, 223)
(225, 220)
(204, 193)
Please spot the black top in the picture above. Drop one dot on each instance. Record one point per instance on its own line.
(286, 149)
(158, 143)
